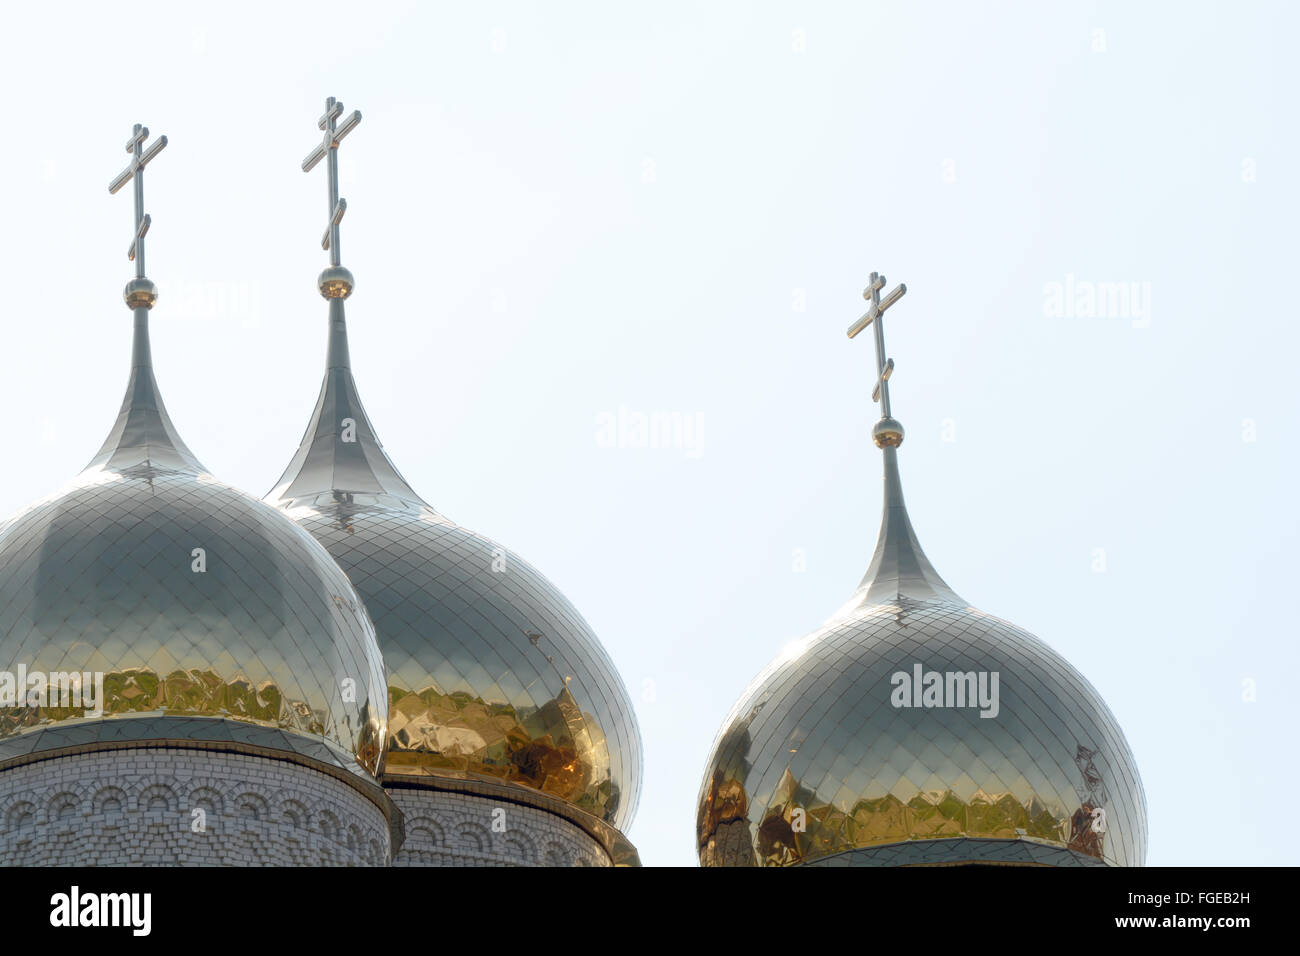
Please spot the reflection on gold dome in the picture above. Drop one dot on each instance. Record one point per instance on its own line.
(100, 579)
(491, 673)
(549, 748)
(840, 770)
(815, 761)
(818, 764)
(820, 761)
(865, 823)
(192, 693)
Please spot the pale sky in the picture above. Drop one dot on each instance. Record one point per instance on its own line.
(563, 212)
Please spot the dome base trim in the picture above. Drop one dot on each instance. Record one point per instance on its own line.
(224, 736)
(180, 806)
(453, 829)
(964, 851)
(620, 849)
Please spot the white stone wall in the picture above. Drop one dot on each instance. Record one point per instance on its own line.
(136, 807)
(457, 829)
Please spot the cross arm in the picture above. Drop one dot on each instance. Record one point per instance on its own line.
(348, 125)
(335, 219)
(136, 165)
(139, 136)
(332, 139)
(314, 157)
(876, 310)
(333, 110)
(884, 377)
(140, 233)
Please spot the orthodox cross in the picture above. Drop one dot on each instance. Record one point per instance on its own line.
(140, 158)
(875, 315)
(328, 149)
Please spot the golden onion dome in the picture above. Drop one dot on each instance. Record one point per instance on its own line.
(913, 729)
(493, 674)
(209, 616)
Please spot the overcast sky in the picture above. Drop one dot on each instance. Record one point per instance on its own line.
(564, 216)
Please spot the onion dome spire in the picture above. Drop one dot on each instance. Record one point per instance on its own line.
(899, 568)
(209, 616)
(494, 678)
(914, 729)
(143, 433)
(340, 453)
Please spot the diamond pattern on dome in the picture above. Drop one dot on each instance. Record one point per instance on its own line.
(816, 761)
(492, 672)
(471, 692)
(101, 578)
(819, 734)
(259, 627)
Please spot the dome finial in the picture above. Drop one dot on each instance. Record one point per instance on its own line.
(143, 433)
(887, 433)
(335, 282)
(340, 455)
(139, 293)
(899, 568)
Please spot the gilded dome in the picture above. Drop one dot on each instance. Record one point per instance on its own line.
(209, 615)
(492, 672)
(914, 729)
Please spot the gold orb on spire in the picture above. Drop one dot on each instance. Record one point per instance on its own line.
(887, 433)
(140, 293)
(335, 282)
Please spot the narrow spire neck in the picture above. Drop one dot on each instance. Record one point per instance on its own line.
(143, 436)
(141, 353)
(340, 455)
(899, 568)
(337, 356)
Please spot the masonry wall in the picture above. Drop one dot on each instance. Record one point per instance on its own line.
(456, 829)
(178, 807)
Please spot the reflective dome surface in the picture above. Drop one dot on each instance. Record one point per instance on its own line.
(193, 599)
(492, 671)
(830, 757)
